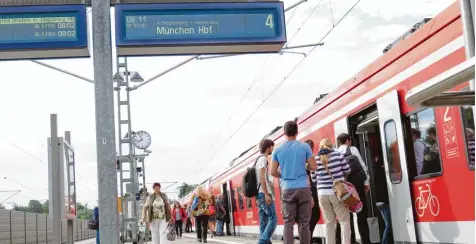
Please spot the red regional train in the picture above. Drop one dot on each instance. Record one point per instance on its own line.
(436, 206)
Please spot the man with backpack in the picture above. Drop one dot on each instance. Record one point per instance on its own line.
(260, 185)
(359, 177)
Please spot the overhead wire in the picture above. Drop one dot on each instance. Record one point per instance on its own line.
(282, 81)
(256, 78)
(243, 97)
(304, 22)
(41, 161)
(20, 184)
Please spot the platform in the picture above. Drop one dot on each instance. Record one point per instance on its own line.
(192, 237)
(89, 241)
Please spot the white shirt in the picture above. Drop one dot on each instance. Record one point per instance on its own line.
(263, 163)
(354, 151)
(419, 147)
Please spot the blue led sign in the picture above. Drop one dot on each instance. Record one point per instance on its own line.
(43, 32)
(199, 28)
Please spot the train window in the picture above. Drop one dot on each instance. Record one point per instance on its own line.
(240, 198)
(468, 123)
(393, 152)
(425, 143)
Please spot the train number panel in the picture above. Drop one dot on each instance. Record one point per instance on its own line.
(199, 28)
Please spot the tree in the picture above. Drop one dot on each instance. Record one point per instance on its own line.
(185, 189)
(34, 206)
(46, 207)
(83, 212)
(20, 208)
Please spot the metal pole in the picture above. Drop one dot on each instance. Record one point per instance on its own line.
(164, 72)
(105, 131)
(62, 71)
(305, 45)
(294, 5)
(67, 137)
(468, 31)
(55, 201)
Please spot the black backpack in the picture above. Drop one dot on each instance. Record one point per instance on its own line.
(250, 184)
(220, 211)
(93, 224)
(431, 160)
(357, 173)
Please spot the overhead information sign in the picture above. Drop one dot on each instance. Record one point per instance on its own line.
(199, 28)
(43, 32)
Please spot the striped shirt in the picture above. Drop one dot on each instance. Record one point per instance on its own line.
(470, 144)
(337, 167)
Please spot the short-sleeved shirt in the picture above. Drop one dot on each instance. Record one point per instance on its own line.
(158, 208)
(292, 157)
(263, 163)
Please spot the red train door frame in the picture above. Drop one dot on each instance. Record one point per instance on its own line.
(391, 129)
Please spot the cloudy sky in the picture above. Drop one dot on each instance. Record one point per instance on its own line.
(192, 111)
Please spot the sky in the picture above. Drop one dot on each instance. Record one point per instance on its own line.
(203, 114)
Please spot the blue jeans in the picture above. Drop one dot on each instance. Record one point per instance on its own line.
(97, 236)
(385, 211)
(220, 227)
(267, 219)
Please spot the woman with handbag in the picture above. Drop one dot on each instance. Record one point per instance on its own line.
(157, 214)
(201, 213)
(331, 168)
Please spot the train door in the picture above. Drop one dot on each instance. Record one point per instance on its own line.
(226, 189)
(366, 128)
(396, 171)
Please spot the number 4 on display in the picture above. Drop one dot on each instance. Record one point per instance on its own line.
(269, 21)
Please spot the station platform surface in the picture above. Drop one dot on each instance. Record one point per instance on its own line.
(221, 239)
(89, 241)
(188, 238)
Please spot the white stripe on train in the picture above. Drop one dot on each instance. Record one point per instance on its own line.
(429, 232)
(397, 79)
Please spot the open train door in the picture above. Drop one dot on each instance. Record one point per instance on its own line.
(401, 207)
(226, 189)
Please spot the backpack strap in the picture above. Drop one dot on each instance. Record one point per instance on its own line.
(254, 167)
(347, 151)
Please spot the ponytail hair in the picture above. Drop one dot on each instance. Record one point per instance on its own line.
(325, 147)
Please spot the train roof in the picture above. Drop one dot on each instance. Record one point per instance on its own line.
(404, 45)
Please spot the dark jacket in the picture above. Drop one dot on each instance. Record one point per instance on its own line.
(380, 184)
(149, 208)
(96, 213)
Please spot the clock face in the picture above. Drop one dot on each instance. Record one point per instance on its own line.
(142, 139)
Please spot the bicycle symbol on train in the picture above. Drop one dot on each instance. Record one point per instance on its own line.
(431, 201)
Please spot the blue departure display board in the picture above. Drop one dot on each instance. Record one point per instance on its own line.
(207, 27)
(35, 28)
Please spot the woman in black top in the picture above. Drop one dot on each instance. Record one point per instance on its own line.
(316, 212)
